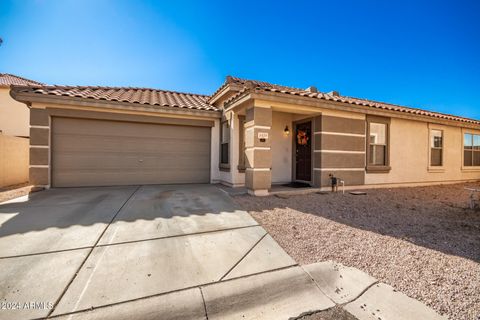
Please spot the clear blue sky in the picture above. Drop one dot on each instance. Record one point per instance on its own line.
(414, 53)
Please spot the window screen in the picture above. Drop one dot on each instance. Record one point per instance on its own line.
(378, 144)
(436, 148)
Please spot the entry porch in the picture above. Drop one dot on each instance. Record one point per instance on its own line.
(275, 145)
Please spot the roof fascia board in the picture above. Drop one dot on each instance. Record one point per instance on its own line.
(239, 101)
(334, 105)
(229, 87)
(28, 98)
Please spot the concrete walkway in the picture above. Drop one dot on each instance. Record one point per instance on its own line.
(166, 252)
(363, 296)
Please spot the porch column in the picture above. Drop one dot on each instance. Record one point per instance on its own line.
(258, 155)
(40, 127)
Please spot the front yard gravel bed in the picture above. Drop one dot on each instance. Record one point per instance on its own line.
(423, 241)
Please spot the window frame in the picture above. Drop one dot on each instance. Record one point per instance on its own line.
(430, 147)
(373, 168)
(224, 166)
(472, 167)
(241, 143)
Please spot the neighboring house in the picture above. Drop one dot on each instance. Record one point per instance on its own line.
(246, 133)
(14, 133)
(14, 116)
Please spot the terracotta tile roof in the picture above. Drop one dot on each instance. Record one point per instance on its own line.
(6, 80)
(239, 82)
(144, 96)
(155, 97)
(260, 86)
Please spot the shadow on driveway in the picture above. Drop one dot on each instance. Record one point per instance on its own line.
(83, 248)
(61, 219)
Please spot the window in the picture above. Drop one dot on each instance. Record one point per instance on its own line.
(471, 150)
(378, 144)
(241, 143)
(436, 148)
(224, 143)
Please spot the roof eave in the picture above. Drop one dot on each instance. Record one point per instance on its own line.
(29, 98)
(224, 90)
(343, 106)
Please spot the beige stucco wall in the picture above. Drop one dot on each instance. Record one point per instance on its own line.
(342, 114)
(409, 151)
(409, 155)
(281, 148)
(215, 174)
(14, 116)
(14, 155)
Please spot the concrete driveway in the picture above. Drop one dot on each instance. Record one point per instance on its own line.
(66, 251)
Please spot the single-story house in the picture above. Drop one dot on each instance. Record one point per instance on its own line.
(247, 133)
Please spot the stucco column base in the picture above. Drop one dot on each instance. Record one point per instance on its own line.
(258, 179)
(258, 193)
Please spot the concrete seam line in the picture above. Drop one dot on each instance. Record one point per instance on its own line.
(167, 292)
(176, 236)
(224, 191)
(204, 303)
(243, 257)
(340, 304)
(113, 304)
(251, 275)
(46, 252)
(90, 252)
(360, 294)
(316, 284)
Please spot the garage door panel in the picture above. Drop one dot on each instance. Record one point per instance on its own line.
(131, 145)
(146, 177)
(130, 172)
(84, 139)
(71, 126)
(100, 153)
(168, 161)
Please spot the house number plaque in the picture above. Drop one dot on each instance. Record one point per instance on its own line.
(263, 136)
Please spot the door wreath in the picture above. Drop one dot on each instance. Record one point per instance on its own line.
(302, 137)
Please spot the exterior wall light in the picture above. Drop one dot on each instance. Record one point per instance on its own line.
(286, 131)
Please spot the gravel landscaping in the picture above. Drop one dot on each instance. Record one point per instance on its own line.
(424, 241)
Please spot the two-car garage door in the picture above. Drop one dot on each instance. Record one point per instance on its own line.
(104, 153)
